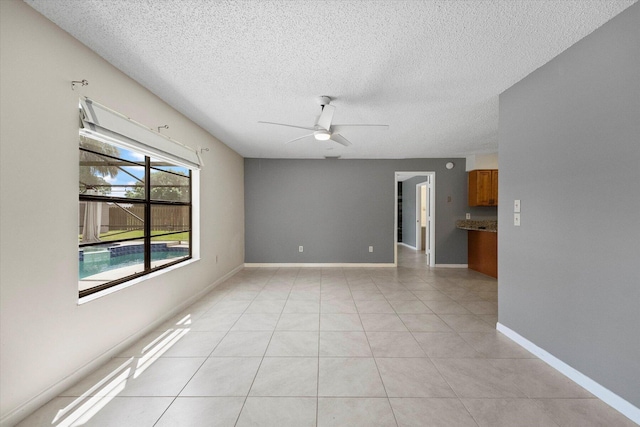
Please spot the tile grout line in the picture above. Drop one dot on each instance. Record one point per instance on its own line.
(216, 346)
(375, 361)
(399, 286)
(203, 362)
(318, 370)
(492, 355)
(265, 349)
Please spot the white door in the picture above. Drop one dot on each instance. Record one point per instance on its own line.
(419, 197)
(428, 201)
(425, 226)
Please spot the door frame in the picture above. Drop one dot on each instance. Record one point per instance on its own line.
(432, 229)
(430, 244)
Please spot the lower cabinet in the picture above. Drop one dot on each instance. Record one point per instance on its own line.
(483, 252)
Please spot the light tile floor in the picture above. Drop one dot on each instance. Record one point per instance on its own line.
(345, 347)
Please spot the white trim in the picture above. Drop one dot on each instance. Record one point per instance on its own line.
(407, 175)
(430, 247)
(54, 390)
(395, 218)
(603, 393)
(432, 225)
(195, 213)
(408, 246)
(318, 264)
(452, 265)
(128, 283)
(418, 225)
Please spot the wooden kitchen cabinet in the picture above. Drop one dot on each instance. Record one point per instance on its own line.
(483, 252)
(483, 187)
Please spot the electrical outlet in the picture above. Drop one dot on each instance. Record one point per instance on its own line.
(516, 219)
(468, 216)
(300, 249)
(370, 248)
(516, 206)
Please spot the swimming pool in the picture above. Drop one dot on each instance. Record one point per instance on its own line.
(108, 260)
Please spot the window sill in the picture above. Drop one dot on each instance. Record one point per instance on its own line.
(135, 281)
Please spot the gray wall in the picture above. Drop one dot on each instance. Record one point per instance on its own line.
(570, 150)
(336, 209)
(409, 210)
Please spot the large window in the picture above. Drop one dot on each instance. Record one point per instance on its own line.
(135, 211)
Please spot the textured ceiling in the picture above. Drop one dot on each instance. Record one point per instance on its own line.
(431, 70)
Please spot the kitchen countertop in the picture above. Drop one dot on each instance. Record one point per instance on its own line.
(490, 225)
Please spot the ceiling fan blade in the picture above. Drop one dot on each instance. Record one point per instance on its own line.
(291, 126)
(340, 139)
(302, 137)
(327, 115)
(338, 128)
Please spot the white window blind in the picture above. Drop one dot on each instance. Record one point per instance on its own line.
(101, 122)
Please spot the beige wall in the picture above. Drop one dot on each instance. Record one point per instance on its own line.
(46, 336)
(482, 161)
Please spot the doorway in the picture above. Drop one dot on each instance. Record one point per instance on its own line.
(425, 236)
(424, 227)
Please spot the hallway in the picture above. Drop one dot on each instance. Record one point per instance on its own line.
(349, 347)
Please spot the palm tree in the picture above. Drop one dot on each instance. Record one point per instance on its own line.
(94, 167)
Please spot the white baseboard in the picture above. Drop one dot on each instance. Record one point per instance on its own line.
(408, 246)
(603, 393)
(452, 265)
(318, 264)
(15, 416)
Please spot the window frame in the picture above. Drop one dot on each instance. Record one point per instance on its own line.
(148, 202)
(105, 125)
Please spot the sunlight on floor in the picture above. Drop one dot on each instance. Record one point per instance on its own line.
(85, 407)
(331, 346)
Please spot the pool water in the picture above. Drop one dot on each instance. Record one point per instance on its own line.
(101, 265)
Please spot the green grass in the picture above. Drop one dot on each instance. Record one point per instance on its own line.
(117, 235)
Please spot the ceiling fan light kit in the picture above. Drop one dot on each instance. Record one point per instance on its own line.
(323, 129)
(321, 135)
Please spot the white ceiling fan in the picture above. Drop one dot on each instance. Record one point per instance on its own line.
(324, 130)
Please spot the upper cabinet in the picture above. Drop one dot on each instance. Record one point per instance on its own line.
(483, 187)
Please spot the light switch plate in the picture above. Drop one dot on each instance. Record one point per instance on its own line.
(516, 206)
(516, 219)
(370, 248)
(300, 248)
